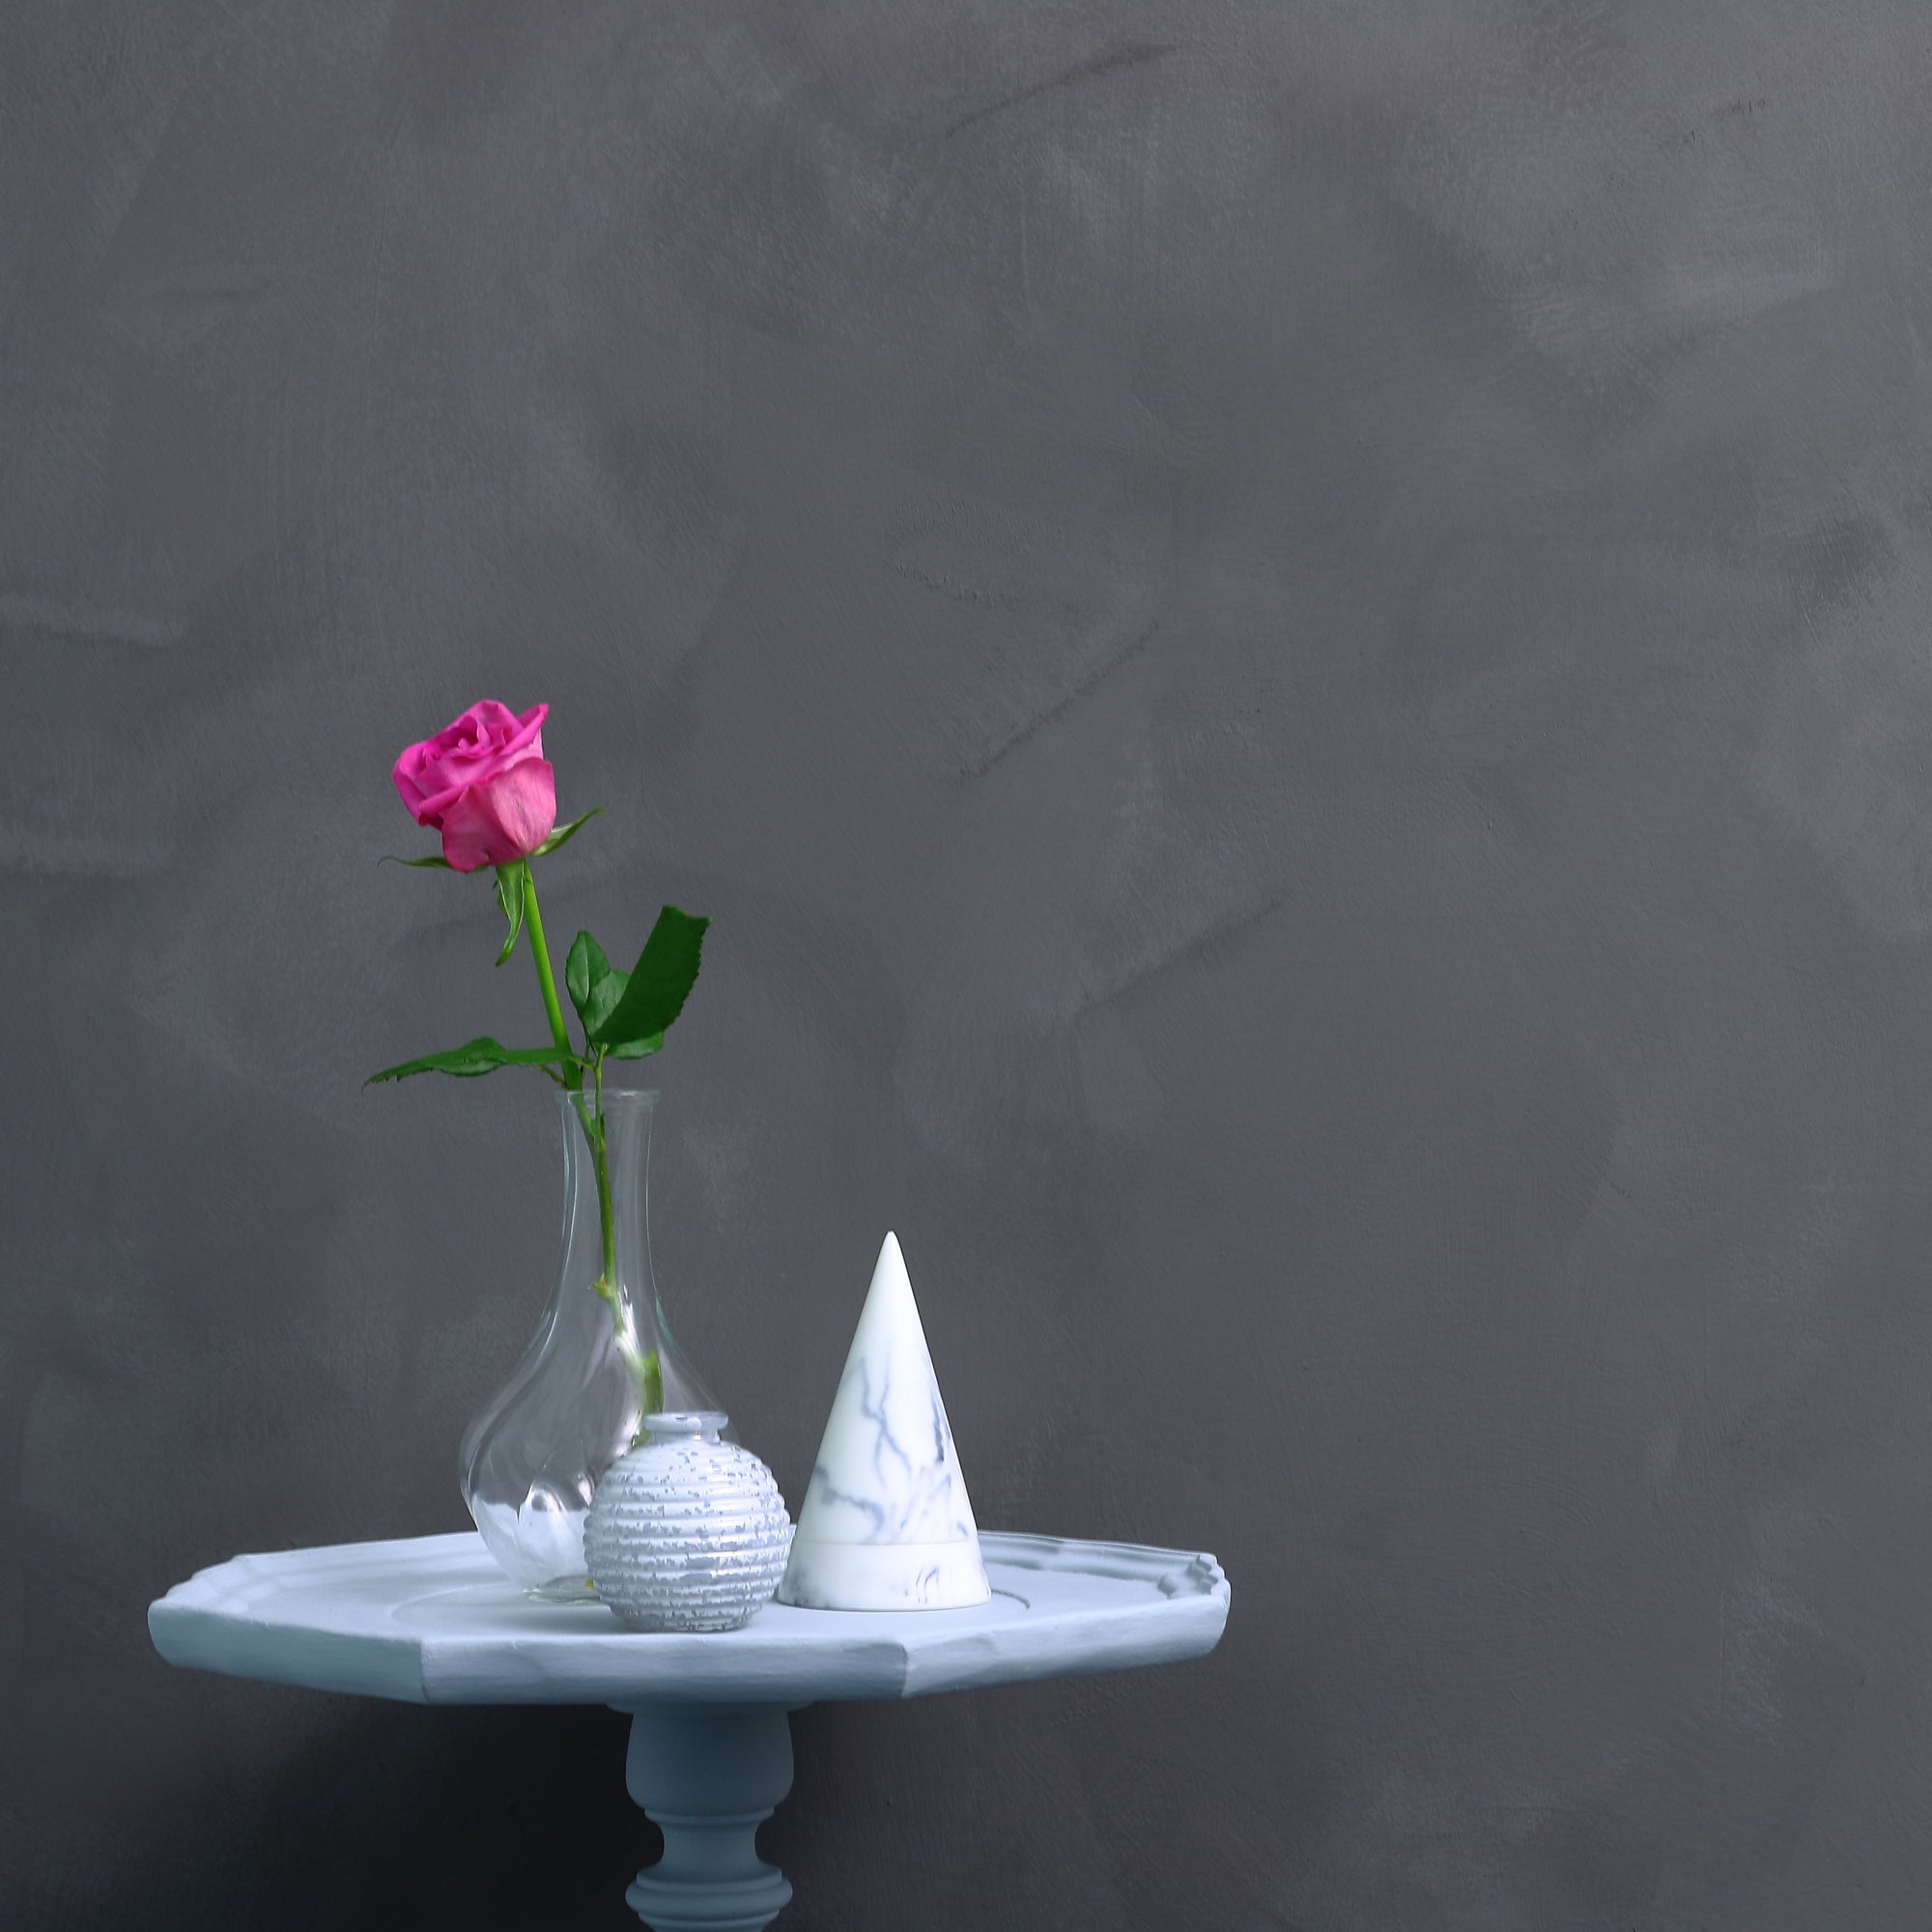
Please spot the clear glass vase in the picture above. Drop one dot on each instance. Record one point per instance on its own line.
(602, 1359)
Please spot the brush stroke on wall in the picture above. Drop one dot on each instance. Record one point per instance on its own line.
(1288, 644)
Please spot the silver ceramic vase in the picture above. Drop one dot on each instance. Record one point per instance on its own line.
(686, 1532)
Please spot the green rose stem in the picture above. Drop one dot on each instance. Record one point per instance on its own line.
(643, 1363)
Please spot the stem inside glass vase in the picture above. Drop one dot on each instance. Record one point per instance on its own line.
(644, 1362)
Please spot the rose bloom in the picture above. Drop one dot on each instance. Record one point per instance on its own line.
(484, 783)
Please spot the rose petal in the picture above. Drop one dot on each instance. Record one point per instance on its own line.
(489, 738)
(505, 819)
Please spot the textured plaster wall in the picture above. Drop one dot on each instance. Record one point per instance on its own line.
(1289, 642)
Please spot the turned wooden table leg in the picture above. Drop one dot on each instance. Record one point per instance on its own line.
(708, 1775)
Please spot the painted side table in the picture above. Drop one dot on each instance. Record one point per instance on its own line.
(432, 1620)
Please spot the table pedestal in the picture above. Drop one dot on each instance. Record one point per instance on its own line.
(708, 1775)
(433, 1621)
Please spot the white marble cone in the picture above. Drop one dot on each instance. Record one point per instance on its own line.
(886, 1524)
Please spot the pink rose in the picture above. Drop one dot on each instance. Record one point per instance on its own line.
(484, 783)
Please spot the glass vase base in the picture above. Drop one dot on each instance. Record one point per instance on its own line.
(516, 1538)
(565, 1591)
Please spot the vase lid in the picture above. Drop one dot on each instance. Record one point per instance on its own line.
(673, 1425)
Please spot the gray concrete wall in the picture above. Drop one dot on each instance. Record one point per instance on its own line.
(1288, 644)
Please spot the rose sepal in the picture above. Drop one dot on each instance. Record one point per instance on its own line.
(510, 900)
(564, 833)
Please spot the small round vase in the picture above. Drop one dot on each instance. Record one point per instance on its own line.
(686, 1532)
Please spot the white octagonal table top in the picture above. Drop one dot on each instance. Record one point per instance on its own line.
(432, 1620)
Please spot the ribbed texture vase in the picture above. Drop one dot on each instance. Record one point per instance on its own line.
(686, 1532)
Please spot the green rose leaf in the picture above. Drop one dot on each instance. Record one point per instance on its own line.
(564, 833)
(510, 896)
(585, 962)
(636, 1049)
(482, 1054)
(594, 984)
(435, 858)
(658, 984)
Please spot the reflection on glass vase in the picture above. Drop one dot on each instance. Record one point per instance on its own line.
(602, 1359)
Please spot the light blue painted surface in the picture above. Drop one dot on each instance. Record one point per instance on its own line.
(432, 1620)
(708, 1777)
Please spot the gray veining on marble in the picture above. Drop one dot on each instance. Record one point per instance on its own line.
(887, 1522)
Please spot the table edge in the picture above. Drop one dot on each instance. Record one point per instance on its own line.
(200, 1624)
